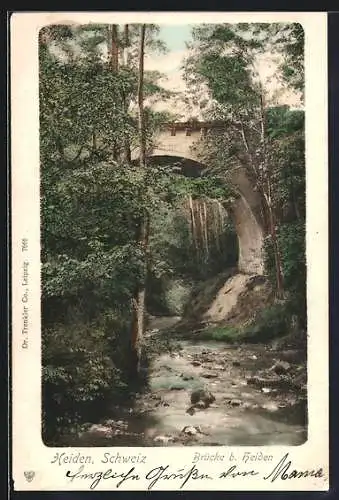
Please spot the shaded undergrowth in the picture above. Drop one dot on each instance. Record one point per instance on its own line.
(272, 322)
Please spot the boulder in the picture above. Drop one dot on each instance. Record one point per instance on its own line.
(266, 381)
(270, 407)
(162, 403)
(163, 439)
(202, 395)
(100, 430)
(248, 405)
(281, 367)
(210, 375)
(189, 430)
(201, 405)
(155, 396)
(110, 422)
(235, 402)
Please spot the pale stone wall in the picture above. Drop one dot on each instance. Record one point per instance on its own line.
(249, 226)
(177, 145)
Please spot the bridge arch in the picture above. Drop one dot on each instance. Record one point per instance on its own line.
(176, 141)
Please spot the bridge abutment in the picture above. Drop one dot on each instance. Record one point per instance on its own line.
(246, 215)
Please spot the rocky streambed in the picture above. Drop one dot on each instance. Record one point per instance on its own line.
(260, 399)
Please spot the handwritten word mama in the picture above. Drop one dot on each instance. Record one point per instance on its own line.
(282, 471)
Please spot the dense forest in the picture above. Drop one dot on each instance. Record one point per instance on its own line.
(125, 239)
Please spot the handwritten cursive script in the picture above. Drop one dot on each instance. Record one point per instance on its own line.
(180, 477)
(163, 473)
(96, 477)
(233, 473)
(283, 471)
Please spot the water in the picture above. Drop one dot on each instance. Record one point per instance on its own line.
(242, 414)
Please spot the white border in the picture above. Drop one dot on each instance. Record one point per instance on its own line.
(29, 452)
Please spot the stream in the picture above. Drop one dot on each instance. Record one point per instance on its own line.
(253, 406)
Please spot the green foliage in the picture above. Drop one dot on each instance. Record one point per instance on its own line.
(80, 368)
(88, 260)
(221, 73)
(287, 158)
(176, 265)
(227, 334)
(266, 140)
(78, 100)
(292, 243)
(290, 42)
(269, 323)
(292, 239)
(283, 122)
(92, 199)
(176, 296)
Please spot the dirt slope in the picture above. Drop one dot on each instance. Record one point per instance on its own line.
(228, 299)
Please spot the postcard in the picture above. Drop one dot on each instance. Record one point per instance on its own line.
(169, 251)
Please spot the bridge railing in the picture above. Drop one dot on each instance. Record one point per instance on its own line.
(191, 126)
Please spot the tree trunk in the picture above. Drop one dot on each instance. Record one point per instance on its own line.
(294, 200)
(114, 48)
(193, 224)
(138, 321)
(202, 229)
(143, 236)
(125, 45)
(266, 172)
(141, 121)
(94, 142)
(221, 224)
(206, 229)
(113, 56)
(126, 42)
(277, 259)
(216, 225)
(273, 233)
(109, 43)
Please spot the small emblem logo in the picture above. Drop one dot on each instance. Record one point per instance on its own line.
(29, 475)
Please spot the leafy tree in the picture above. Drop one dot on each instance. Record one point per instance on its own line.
(143, 220)
(289, 41)
(114, 231)
(91, 199)
(98, 209)
(223, 58)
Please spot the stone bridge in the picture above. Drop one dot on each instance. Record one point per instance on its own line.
(176, 140)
